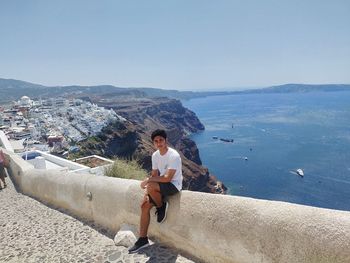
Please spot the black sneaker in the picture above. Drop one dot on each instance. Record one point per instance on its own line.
(142, 242)
(161, 212)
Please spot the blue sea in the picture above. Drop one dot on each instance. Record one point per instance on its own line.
(279, 133)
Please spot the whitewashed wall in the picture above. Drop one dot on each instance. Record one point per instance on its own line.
(214, 228)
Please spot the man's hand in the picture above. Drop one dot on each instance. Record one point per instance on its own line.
(144, 183)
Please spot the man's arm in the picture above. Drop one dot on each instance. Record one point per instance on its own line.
(154, 173)
(166, 178)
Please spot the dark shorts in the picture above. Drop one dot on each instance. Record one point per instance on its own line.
(167, 189)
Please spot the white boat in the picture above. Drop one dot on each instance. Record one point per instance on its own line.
(300, 172)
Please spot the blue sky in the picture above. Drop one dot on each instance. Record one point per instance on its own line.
(184, 45)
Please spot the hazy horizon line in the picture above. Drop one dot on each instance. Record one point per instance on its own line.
(218, 89)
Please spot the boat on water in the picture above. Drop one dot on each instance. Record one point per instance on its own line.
(215, 137)
(226, 140)
(300, 172)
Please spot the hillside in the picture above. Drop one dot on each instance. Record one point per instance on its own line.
(131, 140)
(11, 89)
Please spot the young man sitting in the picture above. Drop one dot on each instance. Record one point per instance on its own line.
(165, 180)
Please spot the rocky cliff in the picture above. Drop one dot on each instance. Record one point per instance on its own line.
(131, 139)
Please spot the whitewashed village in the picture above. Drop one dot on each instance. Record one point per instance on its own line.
(45, 132)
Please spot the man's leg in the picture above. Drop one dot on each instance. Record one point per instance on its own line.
(166, 189)
(145, 216)
(142, 242)
(153, 190)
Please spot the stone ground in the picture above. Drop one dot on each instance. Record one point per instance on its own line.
(32, 232)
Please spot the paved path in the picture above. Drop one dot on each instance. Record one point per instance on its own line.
(33, 232)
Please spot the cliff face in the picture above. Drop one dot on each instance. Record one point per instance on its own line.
(132, 139)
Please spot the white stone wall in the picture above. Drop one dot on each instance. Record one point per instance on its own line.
(4, 142)
(214, 228)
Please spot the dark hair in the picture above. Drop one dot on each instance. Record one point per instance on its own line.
(161, 133)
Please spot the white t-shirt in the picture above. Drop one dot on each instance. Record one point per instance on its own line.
(170, 160)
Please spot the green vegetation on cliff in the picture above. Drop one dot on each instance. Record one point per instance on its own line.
(126, 169)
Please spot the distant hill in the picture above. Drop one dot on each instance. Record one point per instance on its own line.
(11, 89)
(292, 88)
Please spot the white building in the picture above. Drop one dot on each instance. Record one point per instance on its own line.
(25, 101)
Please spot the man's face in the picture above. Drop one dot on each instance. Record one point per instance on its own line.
(159, 142)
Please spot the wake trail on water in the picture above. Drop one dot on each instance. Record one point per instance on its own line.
(236, 157)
